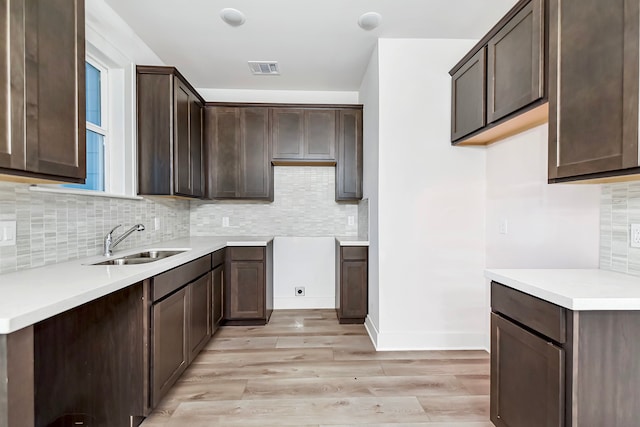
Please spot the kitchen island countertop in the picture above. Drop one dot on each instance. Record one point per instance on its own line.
(575, 289)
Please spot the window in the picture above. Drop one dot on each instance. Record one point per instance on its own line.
(97, 132)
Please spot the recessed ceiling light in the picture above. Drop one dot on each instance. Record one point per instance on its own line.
(370, 20)
(233, 17)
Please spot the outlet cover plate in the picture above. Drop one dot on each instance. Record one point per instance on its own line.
(299, 290)
(634, 237)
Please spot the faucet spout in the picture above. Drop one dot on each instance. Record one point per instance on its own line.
(109, 243)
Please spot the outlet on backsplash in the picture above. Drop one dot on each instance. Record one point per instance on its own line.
(634, 238)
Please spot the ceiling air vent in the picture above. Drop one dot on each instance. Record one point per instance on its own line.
(264, 68)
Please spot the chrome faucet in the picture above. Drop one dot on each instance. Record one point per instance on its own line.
(109, 243)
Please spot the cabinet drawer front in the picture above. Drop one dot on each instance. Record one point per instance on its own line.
(218, 258)
(246, 254)
(541, 316)
(356, 253)
(165, 283)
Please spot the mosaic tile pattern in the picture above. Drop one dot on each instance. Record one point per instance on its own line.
(619, 208)
(304, 205)
(363, 219)
(53, 228)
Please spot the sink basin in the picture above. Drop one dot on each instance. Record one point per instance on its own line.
(141, 257)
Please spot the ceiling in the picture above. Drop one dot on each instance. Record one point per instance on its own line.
(317, 43)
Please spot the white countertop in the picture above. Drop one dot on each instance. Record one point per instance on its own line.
(579, 289)
(29, 296)
(352, 241)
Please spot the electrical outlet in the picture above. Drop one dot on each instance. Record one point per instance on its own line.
(634, 237)
(156, 223)
(7, 233)
(351, 220)
(225, 221)
(503, 226)
(299, 291)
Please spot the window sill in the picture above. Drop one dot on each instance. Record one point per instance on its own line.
(90, 193)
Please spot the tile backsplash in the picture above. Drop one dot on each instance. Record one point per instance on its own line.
(53, 227)
(619, 208)
(304, 205)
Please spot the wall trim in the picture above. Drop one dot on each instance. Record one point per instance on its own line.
(372, 331)
(407, 341)
(296, 303)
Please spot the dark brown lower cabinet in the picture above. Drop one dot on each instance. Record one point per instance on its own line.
(527, 377)
(89, 364)
(554, 367)
(199, 314)
(248, 285)
(351, 283)
(217, 302)
(169, 354)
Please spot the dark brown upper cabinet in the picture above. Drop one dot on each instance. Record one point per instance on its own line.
(303, 134)
(349, 156)
(593, 90)
(515, 63)
(237, 153)
(42, 68)
(169, 134)
(468, 94)
(499, 87)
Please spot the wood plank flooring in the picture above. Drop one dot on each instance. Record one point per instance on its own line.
(305, 369)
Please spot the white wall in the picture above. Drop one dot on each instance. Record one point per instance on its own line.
(431, 205)
(308, 262)
(369, 97)
(278, 96)
(548, 225)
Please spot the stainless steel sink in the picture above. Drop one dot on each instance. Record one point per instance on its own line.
(141, 257)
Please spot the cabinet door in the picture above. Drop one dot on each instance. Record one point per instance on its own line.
(319, 134)
(349, 156)
(195, 145)
(468, 96)
(527, 378)
(287, 133)
(55, 81)
(255, 170)
(199, 293)
(593, 87)
(217, 297)
(246, 291)
(169, 343)
(515, 63)
(353, 292)
(154, 133)
(182, 139)
(222, 141)
(12, 149)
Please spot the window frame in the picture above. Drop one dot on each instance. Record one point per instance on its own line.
(105, 117)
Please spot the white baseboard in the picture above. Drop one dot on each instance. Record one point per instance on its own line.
(371, 330)
(293, 303)
(403, 341)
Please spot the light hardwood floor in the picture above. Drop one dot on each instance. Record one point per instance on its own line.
(305, 369)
